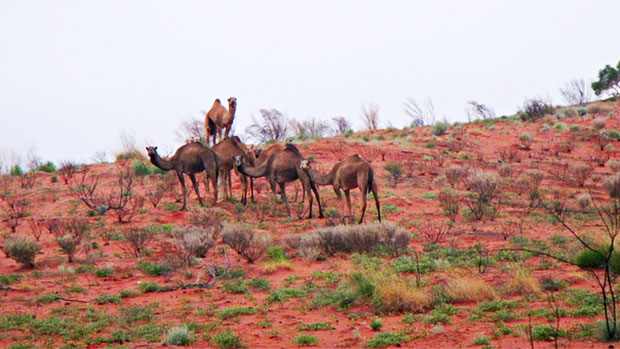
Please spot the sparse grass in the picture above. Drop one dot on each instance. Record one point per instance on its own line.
(521, 282)
(383, 340)
(315, 326)
(152, 287)
(228, 340)
(260, 284)
(180, 336)
(464, 289)
(108, 299)
(234, 312)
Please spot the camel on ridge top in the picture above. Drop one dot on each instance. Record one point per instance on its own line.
(218, 119)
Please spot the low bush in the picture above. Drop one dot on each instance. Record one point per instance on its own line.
(180, 336)
(22, 250)
(440, 128)
(304, 340)
(242, 239)
(464, 289)
(227, 339)
(191, 243)
(383, 340)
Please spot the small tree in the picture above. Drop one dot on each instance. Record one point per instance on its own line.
(535, 109)
(273, 126)
(421, 115)
(477, 110)
(395, 173)
(341, 125)
(370, 116)
(608, 81)
(21, 250)
(485, 188)
(576, 91)
(312, 128)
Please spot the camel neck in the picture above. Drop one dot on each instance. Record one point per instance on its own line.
(321, 179)
(163, 164)
(254, 172)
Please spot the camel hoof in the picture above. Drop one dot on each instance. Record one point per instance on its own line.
(321, 216)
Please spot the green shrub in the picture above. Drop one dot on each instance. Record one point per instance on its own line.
(152, 287)
(551, 284)
(376, 324)
(235, 311)
(546, 333)
(440, 128)
(304, 339)
(235, 286)
(482, 340)
(383, 340)
(22, 250)
(16, 171)
(48, 167)
(315, 326)
(227, 339)
(155, 269)
(140, 168)
(394, 173)
(535, 109)
(49, 298)
(284, 294)
(105, 272)
(560, 126)
(9, 279)
(108, 298)
(260, 284)
(180, 336)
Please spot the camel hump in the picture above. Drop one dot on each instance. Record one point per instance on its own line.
(293, 148)
(356, 157)
(217, 101)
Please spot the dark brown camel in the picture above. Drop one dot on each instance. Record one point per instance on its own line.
(227, 149)
(352, 172)
(281, 168)
(190, 158)
(218, 119)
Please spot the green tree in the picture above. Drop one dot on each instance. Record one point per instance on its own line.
(608, 81)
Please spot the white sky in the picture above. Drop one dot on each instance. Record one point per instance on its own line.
(75, 74)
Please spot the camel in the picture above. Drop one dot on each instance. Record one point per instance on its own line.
(352, 172)
(227, 150)
(190, 158)
(218, 118)
(281, 168)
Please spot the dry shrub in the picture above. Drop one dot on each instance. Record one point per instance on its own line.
(361, 238)
(521, 283)
(614, 165)
(580, 173)
(162, 185)
(505, 170)
(209, 219)
(136, 241)
(510, 154)
(439, 181)
(485, 188)
(15, 210)
(242, 239)
(434, 233)
(456, 175)
(535, 177)
(599, 123)
(368, 152)
(612, 186)
(584, 200)
(463, 289)
(397, 294)
(67, 170)
(191, 243)
(309, 247)
(36, 227)
(22, 250)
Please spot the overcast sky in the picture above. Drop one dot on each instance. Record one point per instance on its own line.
(75, 74)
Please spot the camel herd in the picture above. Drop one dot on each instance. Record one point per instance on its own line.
(279, 164)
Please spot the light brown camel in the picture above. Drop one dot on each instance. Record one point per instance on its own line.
(218, 119)
(190, 158)
(281, 168)
(227, 149)
(352, 172)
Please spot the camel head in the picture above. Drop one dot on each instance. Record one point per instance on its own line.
(237, 160)
(152, 151)
(232, 103)
(305, 164)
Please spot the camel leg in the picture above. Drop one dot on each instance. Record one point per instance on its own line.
(252, 189)
(347, 194)
(318, 199)
(284, 198)
(244, 187)
(373, 188)
(195, 184)
(339, 195)
(182, 180)
(364, 191)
